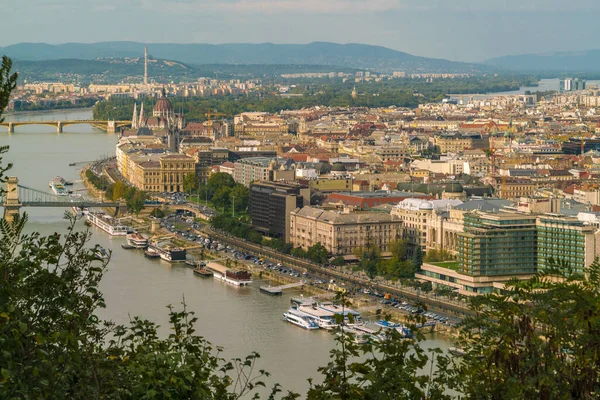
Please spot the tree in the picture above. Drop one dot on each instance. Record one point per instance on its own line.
(417, 258)
(368, 261)
(339, 261)
(190, 183)
(240, 195)
(55, 347)
(387, 369)
(118, 190)
(217, 181)
(221, 197)
(399, 249)
(157, 213)
(538, 339)
(136, 203)
(317, 253)
(8, 82)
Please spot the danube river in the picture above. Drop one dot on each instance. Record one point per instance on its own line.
(239, 319)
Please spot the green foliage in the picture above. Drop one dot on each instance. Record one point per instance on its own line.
(389, 369)
(8, 82)
(118, 190)
(338, 261)
(369, 257)
(100, 183)
(191, 183)
(399, 92)
(539, 339)
(157, 213)
(417, 258)
(437, 256)
(55, 347)
(317, 253)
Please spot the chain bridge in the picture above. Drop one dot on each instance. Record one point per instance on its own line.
(109, 126)
(17, 196)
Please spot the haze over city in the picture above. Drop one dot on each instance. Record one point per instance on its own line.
(463, 30)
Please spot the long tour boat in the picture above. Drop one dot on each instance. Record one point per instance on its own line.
(293, 316)
(108, 224)
(237, 278)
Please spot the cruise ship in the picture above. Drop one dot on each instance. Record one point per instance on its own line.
(108, 224)
(237, 278)
(58, 187)
(325, 319)
(167, 253)
(137, 240)
(296, 318)
(351, 317)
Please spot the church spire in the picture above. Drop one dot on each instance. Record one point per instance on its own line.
(134, 118)
(141, 123)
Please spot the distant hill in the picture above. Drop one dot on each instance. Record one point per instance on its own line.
(358, 56)
(564, 61)
(132, 69)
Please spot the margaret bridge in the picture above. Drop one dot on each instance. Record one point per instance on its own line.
(109, 126)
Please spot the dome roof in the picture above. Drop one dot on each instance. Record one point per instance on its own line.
(453, 187)
(426, 205)
(163, 105)
(338, 167)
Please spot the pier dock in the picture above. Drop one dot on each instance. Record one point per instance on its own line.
(278, 290)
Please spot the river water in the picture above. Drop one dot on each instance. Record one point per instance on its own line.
(241, 320)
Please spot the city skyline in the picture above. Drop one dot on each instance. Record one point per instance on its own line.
(463, 30)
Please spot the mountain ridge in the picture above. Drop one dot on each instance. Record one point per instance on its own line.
(353, 55)
(559, 61)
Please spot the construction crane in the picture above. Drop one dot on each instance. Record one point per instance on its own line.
(210, 114)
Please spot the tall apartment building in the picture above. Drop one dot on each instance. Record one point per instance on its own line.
(271, 204)
(256, 169)
(566, 239)
(341, 233)
(493, 249)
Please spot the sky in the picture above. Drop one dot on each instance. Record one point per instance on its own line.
(461, 30)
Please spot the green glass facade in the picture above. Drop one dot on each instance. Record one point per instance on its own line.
(497, 245)
(564, 240)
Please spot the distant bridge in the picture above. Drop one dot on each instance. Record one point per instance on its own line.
(18, 196)
(109, 126)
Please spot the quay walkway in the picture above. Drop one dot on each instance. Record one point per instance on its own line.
(278, 290)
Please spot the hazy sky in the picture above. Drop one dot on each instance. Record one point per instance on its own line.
(466, 30)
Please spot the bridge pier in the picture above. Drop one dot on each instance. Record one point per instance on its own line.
(11, 127)
(59, 127)
(111, 127)
(12, 205)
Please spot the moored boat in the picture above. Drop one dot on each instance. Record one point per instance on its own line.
(137, 240)
(107, 224)
(237, 278)
(151, 253)
(300, 320)
(168, 253)
(58, 187)
(203, 272)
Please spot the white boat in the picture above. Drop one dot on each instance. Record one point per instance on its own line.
(167, 253)
(107, 224)
(295, 318)
(325, 319)
(137, 240)
(351, 317)
(57, 186)
(102, 253)
(357, 336)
